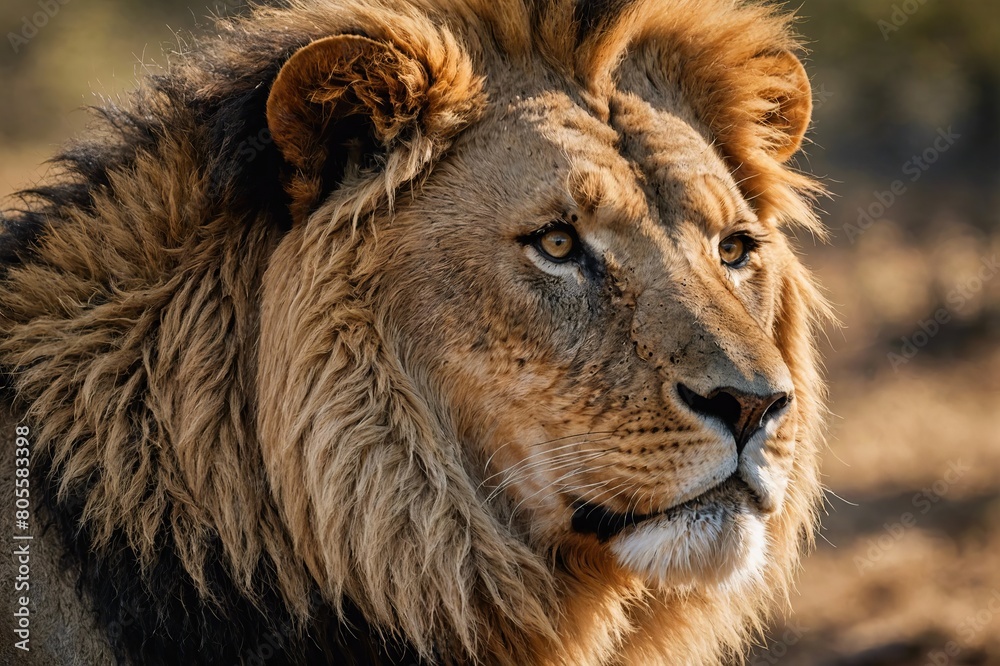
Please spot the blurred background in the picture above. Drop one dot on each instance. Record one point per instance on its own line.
(907, 136)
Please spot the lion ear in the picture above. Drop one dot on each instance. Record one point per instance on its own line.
(791, 98)
(340, 102)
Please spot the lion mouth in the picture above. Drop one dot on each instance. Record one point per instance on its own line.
(606, 524)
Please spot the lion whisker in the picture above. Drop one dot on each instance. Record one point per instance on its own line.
(521, 473)
(557, 482)
(543, 443)
(541, 453)
(521, 467)
(571, 455)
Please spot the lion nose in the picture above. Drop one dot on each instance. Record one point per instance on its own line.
(743, 413)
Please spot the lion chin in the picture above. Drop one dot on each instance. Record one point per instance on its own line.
(718, 538)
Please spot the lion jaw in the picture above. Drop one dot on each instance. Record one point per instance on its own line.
(718, 538)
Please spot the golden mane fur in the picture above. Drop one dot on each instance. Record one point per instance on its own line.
(200, 373)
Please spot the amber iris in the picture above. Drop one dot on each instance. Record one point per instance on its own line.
(734, 251)
(557, 244)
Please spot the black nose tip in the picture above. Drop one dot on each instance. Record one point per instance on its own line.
(743, 413)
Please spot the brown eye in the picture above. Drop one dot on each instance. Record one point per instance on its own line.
(735, 250)
(556, 244)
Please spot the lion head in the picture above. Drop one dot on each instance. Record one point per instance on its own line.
(516, 360)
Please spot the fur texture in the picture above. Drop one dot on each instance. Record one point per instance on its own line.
(296, 367)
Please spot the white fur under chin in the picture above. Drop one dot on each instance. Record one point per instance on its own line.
(720, 545)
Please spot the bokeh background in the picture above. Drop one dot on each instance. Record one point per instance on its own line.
(907, 136)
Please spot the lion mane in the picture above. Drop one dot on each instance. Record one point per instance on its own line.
(227, 453)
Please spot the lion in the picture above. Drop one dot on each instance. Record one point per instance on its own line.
(422, 331)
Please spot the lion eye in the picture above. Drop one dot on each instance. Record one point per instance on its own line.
(735, 250)
(556, 243)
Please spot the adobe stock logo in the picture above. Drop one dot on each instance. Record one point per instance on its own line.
(922, 502)
(956, 300)
(31, 25)
(914, 168)
(900, 15)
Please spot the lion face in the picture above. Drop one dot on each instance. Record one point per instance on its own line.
(517, 318)
(600, 331)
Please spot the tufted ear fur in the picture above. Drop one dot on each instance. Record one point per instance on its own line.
(346, 108)
(760, 110)
(791, 97)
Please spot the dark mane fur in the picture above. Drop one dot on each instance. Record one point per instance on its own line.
(217, 99)
(157, 615)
